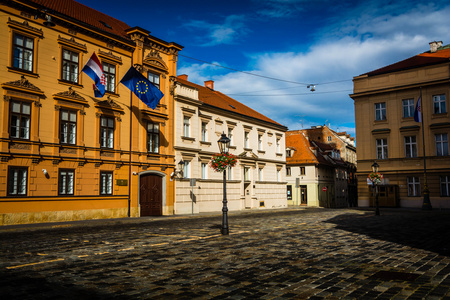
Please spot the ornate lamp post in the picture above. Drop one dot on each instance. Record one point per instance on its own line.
(224, 144)
(375, 168)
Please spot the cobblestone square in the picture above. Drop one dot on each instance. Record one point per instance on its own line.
(270, 254)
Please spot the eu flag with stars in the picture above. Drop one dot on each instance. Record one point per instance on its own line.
(142, 88)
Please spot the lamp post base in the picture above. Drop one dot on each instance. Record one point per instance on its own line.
(426, 205)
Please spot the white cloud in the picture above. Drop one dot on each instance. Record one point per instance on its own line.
(346, 49)
(232, 29)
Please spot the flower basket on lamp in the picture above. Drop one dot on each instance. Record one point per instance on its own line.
(221, 161)
(376, 177)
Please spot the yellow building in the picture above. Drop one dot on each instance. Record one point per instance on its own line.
(386, 131)
(64, 154)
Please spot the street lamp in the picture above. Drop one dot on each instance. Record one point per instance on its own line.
(375, 168)
(224, 145)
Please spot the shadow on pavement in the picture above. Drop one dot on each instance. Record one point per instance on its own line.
(428, 230)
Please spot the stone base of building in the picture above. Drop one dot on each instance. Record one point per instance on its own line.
(65, 216)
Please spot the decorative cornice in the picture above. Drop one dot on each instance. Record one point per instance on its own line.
(111, 105)
(72, 43)
(24, 26)
(71, 96)
(109, 55)
(23, 85)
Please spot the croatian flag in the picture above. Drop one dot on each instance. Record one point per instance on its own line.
(93, 69)
(418, 112)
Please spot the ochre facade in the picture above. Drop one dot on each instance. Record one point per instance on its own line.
(64, 154)
(387, 133)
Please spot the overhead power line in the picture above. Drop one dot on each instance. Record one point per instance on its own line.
(262, 76)
(280, 95)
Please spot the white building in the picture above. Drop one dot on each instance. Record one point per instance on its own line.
(258, 179)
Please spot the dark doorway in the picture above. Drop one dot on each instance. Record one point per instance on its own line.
(304, 196)
(151, 195)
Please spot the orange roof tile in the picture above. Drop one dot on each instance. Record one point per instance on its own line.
(420, 60)
(87, 15)
(303, 153)
(222, 101)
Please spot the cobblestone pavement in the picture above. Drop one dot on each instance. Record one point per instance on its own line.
(270, 254)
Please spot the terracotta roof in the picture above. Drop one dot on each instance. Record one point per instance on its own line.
(87, 15)
(442, 55)
(222, 101)
(302, 153)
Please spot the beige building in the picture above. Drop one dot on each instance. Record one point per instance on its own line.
(387, 133)
(317, 172)
(64, 154)
(257, 181)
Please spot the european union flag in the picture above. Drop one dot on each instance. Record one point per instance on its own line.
(141, 87)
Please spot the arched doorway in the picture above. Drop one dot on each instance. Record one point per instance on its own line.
(151, 194)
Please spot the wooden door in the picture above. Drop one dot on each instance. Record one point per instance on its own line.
(151, 195)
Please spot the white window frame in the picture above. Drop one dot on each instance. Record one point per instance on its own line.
(408, 108)
(204, 132)
(187, 169)
(106, 183)
(382, 148)
(230, 136)
(260, 142)
(17, 181)
(204, 170)
(445, 185)
(439, 104)
(380, 111)
(186, 126)
(246, 139)
(410, 146)
(441, 144)
(413, 185)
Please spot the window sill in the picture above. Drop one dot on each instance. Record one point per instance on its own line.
(232, 147)
(23, 72)
(261, 151)
(187, 138)
(248, 149)
(205, 143)
(65, 82)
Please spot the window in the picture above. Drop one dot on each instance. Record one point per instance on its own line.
(289, 192)
(288, 171)
(230, 173)
(154, 78)
(17, 181)
(106, 132)
(302, 171)
(106, 183)
(20, 120)
(260, 142)
(410, 146)
(68, 127)
(445, 186)
(246, 174)
(230, 135)
(408, 108)
(441, 144)
(23, 48)
(278, 175)
(186, 126)
(66, 182)
(204, 168)
(152, 137)
(329, 138)
(278, 146)
(109, 71)
(260, 174)
(247, 139)
(187, 169)
(204, 132)
(288, 153)
(439, 104)
(70, 66)
(382, 149)
(413, 186)
(380, 111)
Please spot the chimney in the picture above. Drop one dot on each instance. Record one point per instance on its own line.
(209, 84)
(434, 46)
(183, 77)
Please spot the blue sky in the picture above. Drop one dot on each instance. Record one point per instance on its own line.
(289, 44)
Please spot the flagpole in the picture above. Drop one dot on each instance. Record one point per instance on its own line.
(426, 205)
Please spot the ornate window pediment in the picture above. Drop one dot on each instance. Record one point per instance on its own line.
(110, 105)
(71, 96)
(22, 86)
(153, 60)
